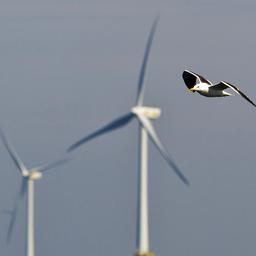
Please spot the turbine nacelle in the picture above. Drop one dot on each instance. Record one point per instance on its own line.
(35, 175)
(148, 112)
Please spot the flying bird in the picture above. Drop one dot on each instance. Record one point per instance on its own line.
(197, 83)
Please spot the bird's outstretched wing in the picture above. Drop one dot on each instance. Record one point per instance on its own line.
(225, 85)
(191, 79)
(221, 86)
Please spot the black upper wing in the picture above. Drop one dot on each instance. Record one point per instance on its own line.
(221, 86)
(191, 79)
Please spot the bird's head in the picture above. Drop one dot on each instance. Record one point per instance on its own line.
(195, 88)
(202, 87)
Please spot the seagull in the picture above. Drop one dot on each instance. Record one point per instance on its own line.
(197, 83)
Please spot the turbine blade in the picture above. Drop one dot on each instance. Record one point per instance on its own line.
(17, 161)
(11, 226)
(141, 86)
(23, 188)
(117, 123)
(6, 212)
(22, 192)
(145, 122)
(48, 166)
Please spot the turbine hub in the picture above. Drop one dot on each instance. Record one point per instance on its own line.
(25, 173)
(35, 175)
(151, 113)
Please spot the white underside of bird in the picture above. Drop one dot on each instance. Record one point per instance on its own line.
(209, 91)
(197, 83)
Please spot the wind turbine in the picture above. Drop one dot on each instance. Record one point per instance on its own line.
(143, 114)
(29, 176)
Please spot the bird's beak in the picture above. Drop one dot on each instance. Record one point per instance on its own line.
(192, 89)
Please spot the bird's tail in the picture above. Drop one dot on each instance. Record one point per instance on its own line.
(227, 93)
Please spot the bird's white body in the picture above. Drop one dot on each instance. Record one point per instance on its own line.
(206, 90)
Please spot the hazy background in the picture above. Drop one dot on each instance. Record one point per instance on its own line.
(68, 68)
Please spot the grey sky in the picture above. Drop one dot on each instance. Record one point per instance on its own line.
(66, 69)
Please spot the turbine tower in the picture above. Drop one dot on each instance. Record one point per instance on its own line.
(29, 176)
(144, 115)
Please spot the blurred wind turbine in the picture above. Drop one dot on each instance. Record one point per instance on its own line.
(143, 115)
(27, 186)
